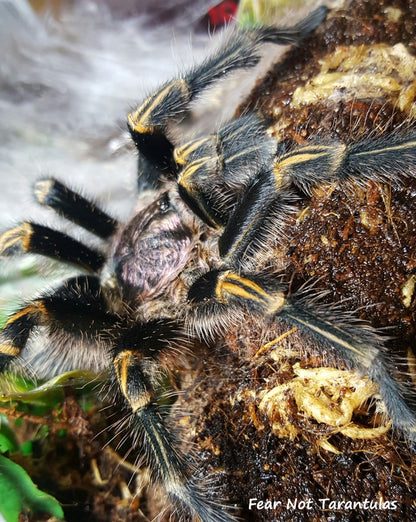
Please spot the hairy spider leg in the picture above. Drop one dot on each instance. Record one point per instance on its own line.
(148, 124)
(77, 307)
(390, 157)
(218, 293)
(359, 345)
(257, 224)
(74, 207)
(38, 239)
(219, 168)
(221, 295)
(137, 368)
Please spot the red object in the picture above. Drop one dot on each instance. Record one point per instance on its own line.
(222, 13)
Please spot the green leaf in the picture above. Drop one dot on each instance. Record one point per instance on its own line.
(26, 448)
(8, 440)
(6, 444)
(18, 493)
(14, 388)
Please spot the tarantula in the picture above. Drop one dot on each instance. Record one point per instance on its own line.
(185, 267)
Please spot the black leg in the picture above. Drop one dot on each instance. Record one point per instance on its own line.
(218, 300)
(257, 223)
(148, 125)
(137, 356)
(390, 157)
(218, 169)
(76, 208)
(385, 159)
(77, 308)
(38, 239)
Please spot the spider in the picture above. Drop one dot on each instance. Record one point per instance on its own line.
(185, 268)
